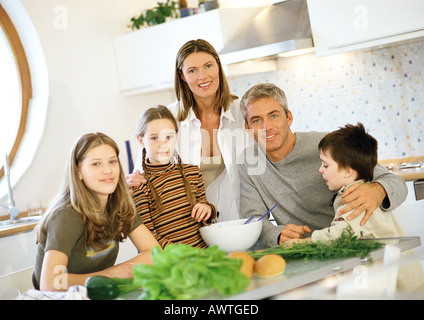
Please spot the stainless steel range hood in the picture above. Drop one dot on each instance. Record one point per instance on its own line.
(279, 28)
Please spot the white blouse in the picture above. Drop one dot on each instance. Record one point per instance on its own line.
(224, 191)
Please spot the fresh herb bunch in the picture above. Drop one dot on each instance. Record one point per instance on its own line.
(347, 245)
(183, 272)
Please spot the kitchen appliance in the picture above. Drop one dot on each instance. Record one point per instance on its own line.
(419, 189)
(280, 28)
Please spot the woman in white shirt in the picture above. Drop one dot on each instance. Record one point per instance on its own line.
(211, 130)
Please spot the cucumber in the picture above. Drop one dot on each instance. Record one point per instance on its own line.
(101, 288)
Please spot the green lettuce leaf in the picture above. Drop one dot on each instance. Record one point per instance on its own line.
(184, 272)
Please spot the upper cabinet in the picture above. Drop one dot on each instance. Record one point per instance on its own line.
(339, 26)
(146, 58)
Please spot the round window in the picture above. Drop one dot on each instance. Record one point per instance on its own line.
(23, 90)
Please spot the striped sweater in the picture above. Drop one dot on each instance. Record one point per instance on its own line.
(172, 224)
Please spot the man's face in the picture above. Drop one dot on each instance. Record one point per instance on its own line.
(271, 126)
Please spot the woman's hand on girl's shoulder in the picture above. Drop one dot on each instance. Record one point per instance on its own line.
(201, 211)
(135, 179)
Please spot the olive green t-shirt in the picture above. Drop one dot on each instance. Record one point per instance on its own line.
(65, 233)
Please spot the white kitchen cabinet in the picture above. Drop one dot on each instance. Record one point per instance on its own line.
(146, 58)
(17, 252)
(411, 192)
(339, 26)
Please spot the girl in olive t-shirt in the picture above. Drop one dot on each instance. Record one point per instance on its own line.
(80, 232)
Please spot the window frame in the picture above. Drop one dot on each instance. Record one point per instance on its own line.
(25, 80)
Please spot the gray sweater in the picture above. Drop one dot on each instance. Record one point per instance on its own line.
(296, 183)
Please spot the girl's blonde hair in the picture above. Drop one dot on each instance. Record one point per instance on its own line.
(155, 113)
(182, 91)
(113, 223)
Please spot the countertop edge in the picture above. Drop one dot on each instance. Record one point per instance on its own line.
(18, 229)
(407, 174)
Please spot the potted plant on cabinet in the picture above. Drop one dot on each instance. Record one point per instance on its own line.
(156, 15)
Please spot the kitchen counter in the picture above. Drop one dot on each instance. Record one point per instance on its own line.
(304, 272)
(298, 274)
(409, 169)
(18, 228)
(301, 273)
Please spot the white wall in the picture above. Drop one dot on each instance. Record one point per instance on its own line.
(380, 87)
(84, 90)
(77, 39)
(76, 36)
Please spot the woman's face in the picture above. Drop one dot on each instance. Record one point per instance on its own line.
(201, 73)
(159, 141)
(99, 170)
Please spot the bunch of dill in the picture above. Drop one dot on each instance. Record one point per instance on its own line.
(346, 246)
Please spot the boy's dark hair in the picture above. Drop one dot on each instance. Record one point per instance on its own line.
(351, 146)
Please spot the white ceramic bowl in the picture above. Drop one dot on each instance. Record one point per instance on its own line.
(232, 235)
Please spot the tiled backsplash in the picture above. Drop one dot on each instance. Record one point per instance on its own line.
(382, 88)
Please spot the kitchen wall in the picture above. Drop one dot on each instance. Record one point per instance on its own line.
(77, 39)
(382, 88)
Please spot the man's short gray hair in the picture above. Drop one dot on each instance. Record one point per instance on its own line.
(263, 90)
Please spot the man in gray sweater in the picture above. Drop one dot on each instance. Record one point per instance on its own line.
(291, 175)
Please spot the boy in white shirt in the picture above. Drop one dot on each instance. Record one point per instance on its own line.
(349, 156)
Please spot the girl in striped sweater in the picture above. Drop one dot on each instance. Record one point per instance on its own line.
(172, 204)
